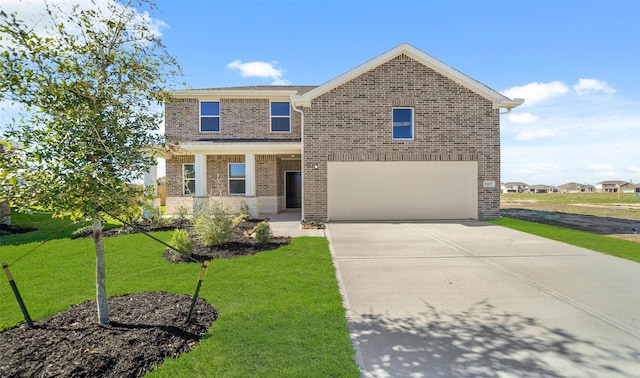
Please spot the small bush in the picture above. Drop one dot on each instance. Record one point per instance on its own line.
(181, 215)
(82, 232)
(263, 233)
(158, 220)
(239, 219)
(244, 209)
(181, 241)
(212, 225)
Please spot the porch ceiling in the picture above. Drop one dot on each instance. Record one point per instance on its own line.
(235, 148)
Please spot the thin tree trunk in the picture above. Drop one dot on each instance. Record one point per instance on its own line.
(101, 290)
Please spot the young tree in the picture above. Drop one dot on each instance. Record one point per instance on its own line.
(91, 80)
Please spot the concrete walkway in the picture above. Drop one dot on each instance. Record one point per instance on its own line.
(287, 223)
(476, 300)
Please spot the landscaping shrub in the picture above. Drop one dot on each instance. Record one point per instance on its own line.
(243, 216)
(82, 232)
(181, 241)
(181, 215)
(212, 225)
(263, 233)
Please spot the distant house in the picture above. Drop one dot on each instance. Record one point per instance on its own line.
(574, 187)
(542, 189)
(614, 186)
(628, 187)
(515, 187)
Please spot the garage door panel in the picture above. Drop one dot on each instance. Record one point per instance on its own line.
(402, 190)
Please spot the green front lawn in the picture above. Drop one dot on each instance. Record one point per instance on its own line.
(611, 246)
(280, 312)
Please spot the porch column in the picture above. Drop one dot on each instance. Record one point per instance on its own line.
(151, 180)
(200, 168)
(250, 183)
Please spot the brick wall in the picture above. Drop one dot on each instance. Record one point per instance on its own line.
(353, 123)
(266, 173)
(239, 118)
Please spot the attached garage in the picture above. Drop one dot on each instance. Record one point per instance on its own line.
(402, 190)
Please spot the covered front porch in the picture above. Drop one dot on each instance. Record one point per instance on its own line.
(267, 177)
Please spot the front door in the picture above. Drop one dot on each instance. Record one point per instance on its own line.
(293, 189)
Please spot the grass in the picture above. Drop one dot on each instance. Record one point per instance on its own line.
(280, 312)
(608, 245)
(572, 198)
(46, 228)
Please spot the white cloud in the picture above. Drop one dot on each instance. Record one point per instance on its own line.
(600, 167)
(634, 168)
(536, 168)
(259, 69)
(592, 86)
(522, 118)
(34, 13)
(534, 93)
(530, 134)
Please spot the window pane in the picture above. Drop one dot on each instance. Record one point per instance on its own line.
(236, 170)
(236, 187)
(210, 108)
(402, 117)
(210, 124)
(280, 109)
(403, 132)
(189, 171)
(402, 123)
(280, 124)
(189, 186)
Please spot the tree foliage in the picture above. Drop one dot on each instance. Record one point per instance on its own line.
(90, 80)
(91, 83)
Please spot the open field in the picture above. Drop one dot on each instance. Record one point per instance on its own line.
(610, 214)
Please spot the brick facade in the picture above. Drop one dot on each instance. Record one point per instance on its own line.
(239, 119)
(348, 119)
(352, 122)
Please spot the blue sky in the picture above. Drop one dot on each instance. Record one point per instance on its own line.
(577, 64)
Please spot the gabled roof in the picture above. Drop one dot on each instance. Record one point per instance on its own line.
(498, 100)
(612, 182)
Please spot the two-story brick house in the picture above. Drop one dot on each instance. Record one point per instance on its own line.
(402, 136)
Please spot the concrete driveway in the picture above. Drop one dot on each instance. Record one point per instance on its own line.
(472, 299)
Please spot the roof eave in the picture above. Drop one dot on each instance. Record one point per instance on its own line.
(233, 93)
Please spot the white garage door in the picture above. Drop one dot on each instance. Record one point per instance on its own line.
(402, 190)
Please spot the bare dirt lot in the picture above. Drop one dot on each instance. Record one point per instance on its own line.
(621, 220)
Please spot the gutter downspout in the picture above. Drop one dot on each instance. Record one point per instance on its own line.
(301, 156)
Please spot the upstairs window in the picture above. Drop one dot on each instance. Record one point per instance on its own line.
(402, 123)
(280, 117)
(236, 178)
(210, 116)
(188, 179)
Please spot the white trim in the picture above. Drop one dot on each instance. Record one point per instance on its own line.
(232, 148)
(236, 179)
(209, 116)
(213, 93)
(200, 167)
(250, 175)
(413, 124)
(498, 100)
(271, 117)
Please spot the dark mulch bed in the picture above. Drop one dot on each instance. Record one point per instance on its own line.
(8, 229)
(144, 330)
(238, 245)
